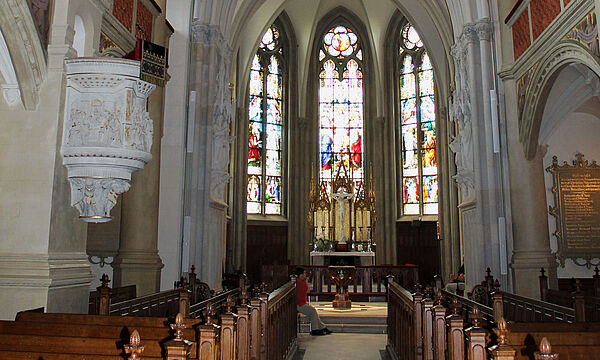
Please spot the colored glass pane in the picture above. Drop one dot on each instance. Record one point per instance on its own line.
(340, 42)
(256, 63)
(273, 137)
(430, 189)
(426, 62)
(340, 107)
(256, 83)
(274, 65)
(270, 38)
(273, 111)
(409, 111)
(255, 108)
(272, 209)
(411, 38)
(411, 190)
(417, 120)
(253, 207)
(427, 109)
(265, 114)
(273, 163)
(253, 193)
(407, 65)
(426, 82)
(274, 86)
(408, 89)
(321, 55)
(359, 54)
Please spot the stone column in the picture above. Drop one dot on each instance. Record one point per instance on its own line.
(138, 261)
(208, 167)
(530, 222)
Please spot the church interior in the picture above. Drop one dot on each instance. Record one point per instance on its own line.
(165, 144)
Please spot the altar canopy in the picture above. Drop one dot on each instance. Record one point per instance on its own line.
(342, 213)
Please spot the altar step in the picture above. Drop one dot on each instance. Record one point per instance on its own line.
(364, 318)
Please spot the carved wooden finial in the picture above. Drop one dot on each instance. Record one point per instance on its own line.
(229, 304)
(263, 287)
(545, 347)
(184, 283)
(134, 348)
(104, 280)
(455, 306)
(439, 298)
(209, 313)
(193, 270)
(476, 317)
(502, 332)
(488, 271)
(496, 285)
(428, 292)
(596, 271)
(178, 327)
(244, 296)
(543, 272)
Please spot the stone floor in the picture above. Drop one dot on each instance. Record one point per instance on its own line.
(342, 347)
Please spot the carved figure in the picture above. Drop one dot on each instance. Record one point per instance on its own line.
(341, 198)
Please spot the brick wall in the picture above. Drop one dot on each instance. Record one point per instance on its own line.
(123, 11)
(143, 29)
(520, 32)
(542, 14)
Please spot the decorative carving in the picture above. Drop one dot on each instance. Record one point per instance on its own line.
(10, 89)
(576, 190)
(523, 87)
(134, 348)
(586, 33)
(11, 94)
(222, 116)
(460, 114)
(107, 132)
(95, 198)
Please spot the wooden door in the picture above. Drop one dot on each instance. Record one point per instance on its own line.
(267, 245)
(417, 244)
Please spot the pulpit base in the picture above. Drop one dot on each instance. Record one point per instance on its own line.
(342, 301)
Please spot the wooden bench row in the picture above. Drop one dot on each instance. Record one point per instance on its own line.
(421, 327)
(263, 327)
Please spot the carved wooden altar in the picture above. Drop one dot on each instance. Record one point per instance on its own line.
(342, 214)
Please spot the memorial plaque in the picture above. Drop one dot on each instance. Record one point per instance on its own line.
(576, 191)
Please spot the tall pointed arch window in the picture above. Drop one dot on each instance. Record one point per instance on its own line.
(416, 123)
(341, 104)
(266, 115)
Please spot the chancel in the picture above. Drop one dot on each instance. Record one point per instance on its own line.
(199, 151)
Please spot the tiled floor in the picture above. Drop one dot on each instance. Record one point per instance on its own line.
(341, 347)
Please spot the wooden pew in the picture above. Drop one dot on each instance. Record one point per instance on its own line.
(571, 341)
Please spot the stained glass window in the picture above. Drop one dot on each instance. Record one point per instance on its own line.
(419, 184)
(341, 104)
(265, 126)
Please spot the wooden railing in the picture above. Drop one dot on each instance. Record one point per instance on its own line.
(518, 308)
(367, 280)
(583, 301)
(420, 328)
(217, 303)
(116, 295)
(279, 314)
(401, 323)
(162, 304)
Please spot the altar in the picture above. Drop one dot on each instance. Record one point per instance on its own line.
(342, 258)
(342, 219)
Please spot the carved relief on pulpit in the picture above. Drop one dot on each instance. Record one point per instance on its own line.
(342, 212)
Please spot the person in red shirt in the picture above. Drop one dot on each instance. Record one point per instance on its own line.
(316, 325)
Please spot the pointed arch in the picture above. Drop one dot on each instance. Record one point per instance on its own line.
(341, 16)
(270, 110)
(545, 74)
(23, 42)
